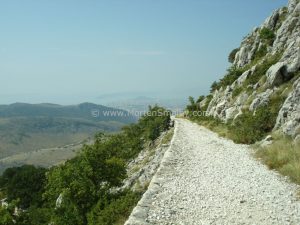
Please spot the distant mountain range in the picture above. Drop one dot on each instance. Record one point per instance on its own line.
(30, 127)
(81, 111)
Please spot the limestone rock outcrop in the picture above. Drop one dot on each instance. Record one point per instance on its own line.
(289, 115)
(269, 58)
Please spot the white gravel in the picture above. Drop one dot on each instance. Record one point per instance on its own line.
(205, 179)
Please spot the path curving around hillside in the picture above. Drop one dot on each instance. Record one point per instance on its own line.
(205, 179)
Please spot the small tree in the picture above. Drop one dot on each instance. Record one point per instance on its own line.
(232, 55)
(192, 106)
(200, 99)
(214, 86)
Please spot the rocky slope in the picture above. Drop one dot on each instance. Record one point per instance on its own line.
(141, 170)
(265, 67)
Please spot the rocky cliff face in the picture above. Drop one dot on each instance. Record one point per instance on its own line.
(266, 70)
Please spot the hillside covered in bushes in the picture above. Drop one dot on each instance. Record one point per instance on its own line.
(86, 189)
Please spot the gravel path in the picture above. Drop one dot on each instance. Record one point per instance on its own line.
(204, 179)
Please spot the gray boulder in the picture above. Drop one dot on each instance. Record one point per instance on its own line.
(271, 21)
(261, 99)
(289, 115)
(292, 5)
(267, 141)
(231, 112)
(59, 201)
(277, 74)
(294, 66)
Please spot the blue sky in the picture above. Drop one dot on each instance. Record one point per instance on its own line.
(68, 51)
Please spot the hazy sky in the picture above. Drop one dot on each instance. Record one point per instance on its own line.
(68, 51)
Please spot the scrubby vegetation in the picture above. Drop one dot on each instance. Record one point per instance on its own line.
(84, 189)
(262, 68)
(267, 35)
(284, 156)
(233, 73)
(237, 91)
(247, 128)
(260, 53)
(231, 56)
(25, 184)
(250, 126)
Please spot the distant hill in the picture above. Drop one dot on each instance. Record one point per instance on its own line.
(81, 111)
(29, 127)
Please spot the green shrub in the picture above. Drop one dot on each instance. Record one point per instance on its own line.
(232, 54)
(114, 212)
(6, 217)
(192, 105)
(249, 128)
(237, 91)
(233, 73)
(275, 103)
(214, 86)
(208, 100)
(200, 99)
(267, 35)
(281, 18)
(245, 129)
(34, 216)
(25, 183)
(155, 121)
(262, 68)
(262, 52)
(84, 181)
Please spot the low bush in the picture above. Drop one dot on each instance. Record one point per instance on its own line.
(156, 121)
(208, 100)
(214, 86)
(192, 106)
(232, 55)
(195, 106)
(114, 212)
(246, 129)
(237, 91)
(25, 183)
(262, 68)
(233, 73)
(249, 128)
(260, 53)
(267, 35)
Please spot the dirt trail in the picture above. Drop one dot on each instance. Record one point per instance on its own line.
(205, 179)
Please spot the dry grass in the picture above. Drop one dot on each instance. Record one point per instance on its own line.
(284, 156)
(219, 128)
(168, 137)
